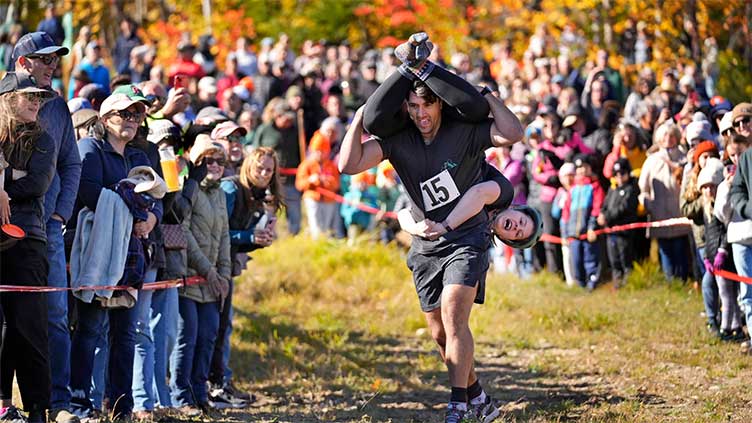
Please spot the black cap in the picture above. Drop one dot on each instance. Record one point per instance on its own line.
(622, 166)
(22, 82)
(36, 43)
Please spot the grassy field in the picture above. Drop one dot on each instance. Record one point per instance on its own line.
(327, 332)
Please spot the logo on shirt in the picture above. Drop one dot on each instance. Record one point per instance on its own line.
(449, 165)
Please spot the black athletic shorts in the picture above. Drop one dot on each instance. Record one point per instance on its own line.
(463, 262)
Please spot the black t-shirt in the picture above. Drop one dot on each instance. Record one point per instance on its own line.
(436, 176)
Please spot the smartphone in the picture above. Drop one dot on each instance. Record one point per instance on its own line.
(179, 81)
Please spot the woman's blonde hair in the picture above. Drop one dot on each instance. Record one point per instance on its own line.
(16, 138)
(667, 127)
(248, 169)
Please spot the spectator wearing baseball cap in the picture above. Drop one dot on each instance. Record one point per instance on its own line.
(620, 208)
(230, 136)
(37, 55)
(25, 351)
(741, 117)
(105, 162)
(94, 67)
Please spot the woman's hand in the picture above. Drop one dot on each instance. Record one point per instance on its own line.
(4, 207)
(142, 229)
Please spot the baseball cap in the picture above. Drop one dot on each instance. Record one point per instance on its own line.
(160, 129)
(719, 105)
(117, 102)
(36, 43)
(78, 103)
(210, 115)
(622, 166)
(22, 82)
(83, 117)
(133, 92)
(741, 110)
(726, 123)
(146, 180)
(225, 129)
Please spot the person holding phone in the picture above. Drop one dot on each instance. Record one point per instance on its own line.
(253, 199)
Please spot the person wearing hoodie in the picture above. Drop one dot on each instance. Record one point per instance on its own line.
(584, 205)
(620, 208)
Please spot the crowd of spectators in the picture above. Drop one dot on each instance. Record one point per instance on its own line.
(259, 135)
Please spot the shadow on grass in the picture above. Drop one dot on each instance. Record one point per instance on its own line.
(304, 375)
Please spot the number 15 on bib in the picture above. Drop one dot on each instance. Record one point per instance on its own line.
(438, 191)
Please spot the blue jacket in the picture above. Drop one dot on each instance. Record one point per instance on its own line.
(27, 193)
(103, 167)
(55, 119)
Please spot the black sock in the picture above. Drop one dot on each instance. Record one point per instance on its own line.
(458, 395)
(474, 390)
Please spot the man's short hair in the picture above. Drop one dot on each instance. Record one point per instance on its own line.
(422, 90)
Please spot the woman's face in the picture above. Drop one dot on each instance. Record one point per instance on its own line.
(550, 128)
(703, 159)
(513, 225)
(628, 138)
(215, 166)
(669, 140)
(27, 106)
(262, 171)
(124, 124)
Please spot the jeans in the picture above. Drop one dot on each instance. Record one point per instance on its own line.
(710, 298)
(292, 209)
(743, 263)
(620, 255)
(57, 318)
(673, 252)
(584, 262)
(92, 323)
(143, 363)
(164, 308)
(219, 372)
(99, 371)
(197, 330)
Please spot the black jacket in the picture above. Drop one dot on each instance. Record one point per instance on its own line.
(620, 205)
(27, 193)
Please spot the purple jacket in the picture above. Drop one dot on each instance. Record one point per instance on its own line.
(514, 170)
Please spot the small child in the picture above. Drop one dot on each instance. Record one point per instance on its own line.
(620, 208)
(558, 211)
(356, 220)
(716, 252)
(584, 205)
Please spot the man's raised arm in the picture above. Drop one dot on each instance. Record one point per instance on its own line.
(354, 156)
(506, 129)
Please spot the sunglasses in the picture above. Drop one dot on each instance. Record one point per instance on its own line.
(46, 59)
(728, 132)
(130, 116)
(151, 98)
(212, 160)
(35, 96)
(234, 138)
(741, 122)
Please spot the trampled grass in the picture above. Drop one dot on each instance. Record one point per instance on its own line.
(328, 332)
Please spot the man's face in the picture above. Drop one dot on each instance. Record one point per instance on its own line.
(743, 126)
(41, 67)
(513, 225)
(157, 96)
(426, 116)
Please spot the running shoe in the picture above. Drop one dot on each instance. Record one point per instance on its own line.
(415, 50)
(220, 399)
(486, 411)
(454, 414)
(237, 393)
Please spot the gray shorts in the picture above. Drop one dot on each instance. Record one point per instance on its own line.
(455, 265)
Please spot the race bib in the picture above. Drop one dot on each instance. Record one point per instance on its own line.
(438, 191)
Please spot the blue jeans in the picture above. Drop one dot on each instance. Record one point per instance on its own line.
(293, 208)
(673, 252)
(743, 263)
(99, 370)
(143, 363)
(164, 308)
(92, 323)
(197, 331)
(57, 318)
(584, 256)
(710, 298)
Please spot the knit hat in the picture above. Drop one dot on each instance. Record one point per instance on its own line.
(567, 169)
(622, 166)
(704, 147)
(698, 131)
(712, 173)
(208, 84)
(160, 129)
(741, 110)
